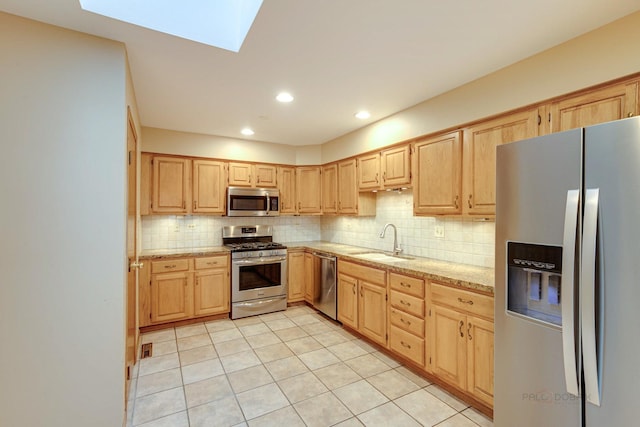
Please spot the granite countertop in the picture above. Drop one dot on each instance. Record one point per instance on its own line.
(451, 273)
(458, 275)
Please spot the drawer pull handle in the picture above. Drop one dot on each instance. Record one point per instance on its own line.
(404, 344)
(405, 285)
(406, 322)
(469, 331)
(403, 302)
(465, 301)
(354, 289)
(170, 266)
(212, 263)
(461, 325)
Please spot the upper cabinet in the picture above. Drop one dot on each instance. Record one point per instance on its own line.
(178, 185)
(171, 185)
(389, 168)
(308, 189)
(209, 185)
(437, 164)
(479, 157)
(287, 187)
(330, 189)
(250, 175)
(350, 200)
(598, 106)
(395, 166)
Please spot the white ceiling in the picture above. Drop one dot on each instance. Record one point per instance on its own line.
(335, 56)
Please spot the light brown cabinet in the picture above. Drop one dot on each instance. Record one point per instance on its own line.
(362, 300)
(479, 157)
(183, 288)
(462, 334)
(252, 175)
(296, 276)
(179, 185)
(437, 186)
(350, 200)
(406, 317)
(309, 189)
(171, 185)
(597, 106)
(287, 187)
(389, 168)
(209, 186)
(330, 189)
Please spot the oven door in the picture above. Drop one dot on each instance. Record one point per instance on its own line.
(255, 278)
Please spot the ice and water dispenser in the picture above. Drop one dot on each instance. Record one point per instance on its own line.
(533, 282)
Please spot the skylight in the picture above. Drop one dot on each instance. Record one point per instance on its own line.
(219, 23)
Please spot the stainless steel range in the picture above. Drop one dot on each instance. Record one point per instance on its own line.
(258, 270)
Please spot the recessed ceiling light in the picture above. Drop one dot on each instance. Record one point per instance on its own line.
(247, 131)
(363, 115)
(284, 97)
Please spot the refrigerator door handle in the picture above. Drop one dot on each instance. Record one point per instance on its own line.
(567, 292)
(588, 296)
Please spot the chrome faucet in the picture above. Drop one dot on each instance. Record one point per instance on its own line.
(396, 249)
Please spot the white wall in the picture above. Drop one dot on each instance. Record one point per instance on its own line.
(62, 250)
(604, 54)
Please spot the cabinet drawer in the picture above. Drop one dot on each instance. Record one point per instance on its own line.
(404, 302)
(406, 345)
(211, 262)
(406, 284)
(170, 265)
(480, 305)
(406, 321)
(371, 275)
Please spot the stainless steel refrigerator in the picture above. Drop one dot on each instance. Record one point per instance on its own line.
(567, 297)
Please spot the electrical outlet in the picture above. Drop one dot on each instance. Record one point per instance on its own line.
(191, 226)
(438, 231)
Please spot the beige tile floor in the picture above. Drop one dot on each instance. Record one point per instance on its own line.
(291, 368)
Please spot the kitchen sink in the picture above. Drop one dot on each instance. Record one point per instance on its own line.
(382, 257)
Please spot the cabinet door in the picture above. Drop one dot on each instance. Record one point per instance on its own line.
(395, 165)
(308, 188)
(348, 300)
(480, 359)
(369, 172)
(211, 293)
(448, 348)
(209, 184)
(479, 157)
(266, 176)
(330, 189)
(599, 106)
(296, 279)
(348, 188)
(438, 182)
(171, 185)
(309, 278)
(171, 297)
(146, 183)
(372, 311)
(287, 187)
(240, 174)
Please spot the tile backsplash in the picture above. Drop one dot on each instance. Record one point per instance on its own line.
(465, 241)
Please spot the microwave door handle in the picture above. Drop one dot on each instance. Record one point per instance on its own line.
(588, 297)
(268, 203)
(567, 292)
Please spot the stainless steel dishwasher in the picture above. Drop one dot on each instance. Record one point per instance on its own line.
(325, 295)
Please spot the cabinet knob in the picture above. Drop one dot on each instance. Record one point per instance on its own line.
(630, 114)
(136, 265)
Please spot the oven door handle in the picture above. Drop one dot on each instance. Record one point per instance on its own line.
(259, 261)
(260, 302)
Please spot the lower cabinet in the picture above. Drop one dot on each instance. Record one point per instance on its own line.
(362, 300)
(406, 317)
(183, 288)
(462, 335)
(295, 276)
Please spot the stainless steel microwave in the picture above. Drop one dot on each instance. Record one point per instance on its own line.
(243, 201)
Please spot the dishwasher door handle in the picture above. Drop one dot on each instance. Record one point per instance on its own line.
(324, 256)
